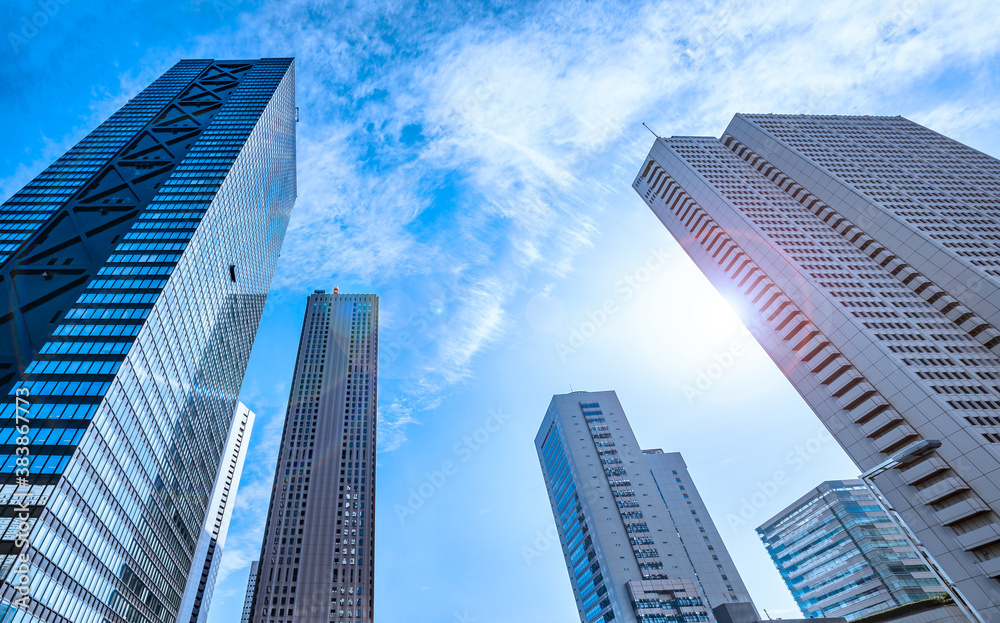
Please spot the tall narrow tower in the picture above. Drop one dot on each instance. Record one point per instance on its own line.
(866, 251)
(639, 543)
(197, 598)
(317, 558)
(134, 272)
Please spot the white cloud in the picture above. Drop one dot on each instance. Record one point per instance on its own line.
(538, 117)
(346, 222)
(481, 320)
(535, 122)
(540, 121)
(392, 422)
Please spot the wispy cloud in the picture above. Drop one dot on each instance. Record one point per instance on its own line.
(457, 157)
(392, 422)
(349, 222)
(526, 123)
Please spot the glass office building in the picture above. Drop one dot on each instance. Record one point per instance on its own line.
(638, 541)
(317, 560)
(841, 556)
(137, 268)
(864, 254)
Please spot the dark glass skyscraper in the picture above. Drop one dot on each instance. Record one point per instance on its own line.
(317, 558)
(135, 270)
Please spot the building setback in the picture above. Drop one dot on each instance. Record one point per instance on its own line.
(864, 250)
(197, 597)
(841, 556)
(137, 266)
(317, 557)
(714, 569)
(638, 541)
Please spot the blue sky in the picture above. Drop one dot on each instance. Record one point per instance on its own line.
(471, 163)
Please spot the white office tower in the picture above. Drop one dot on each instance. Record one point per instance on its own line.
(715, 571)
(638, 541)
(208, 553)
(866, 253)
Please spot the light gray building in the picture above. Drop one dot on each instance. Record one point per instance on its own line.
(251, 586)
(197, 596)
(840, 554)
(703, 547)
(317, 558)
(638, 541)
(866, 251)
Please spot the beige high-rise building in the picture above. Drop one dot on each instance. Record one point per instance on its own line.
(866, 252)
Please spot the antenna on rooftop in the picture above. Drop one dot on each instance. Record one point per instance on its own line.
(650, 129)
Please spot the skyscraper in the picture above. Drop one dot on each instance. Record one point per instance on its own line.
(703, 547)
(317, 558)
(136, 266)
(638, 541)
(251, 587)
(841, 556)
(865, 252)
(201, 578)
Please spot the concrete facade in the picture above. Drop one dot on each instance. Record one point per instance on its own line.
(885, 347)
(638, 541)
(715, 570)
